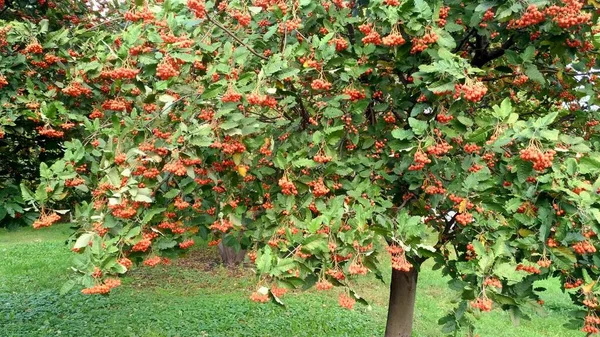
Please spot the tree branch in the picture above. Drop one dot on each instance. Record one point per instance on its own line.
(210, 19)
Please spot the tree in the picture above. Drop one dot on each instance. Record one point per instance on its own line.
(322, 137)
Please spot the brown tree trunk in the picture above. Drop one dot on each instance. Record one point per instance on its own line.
(403, 290)
(229, 256)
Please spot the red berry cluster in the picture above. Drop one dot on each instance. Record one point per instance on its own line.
(243, 19)
(289, 26)
(167, 68)
(181, 204)
(393, 40)
(358, 268)
(145, 14)
(76, 89)
(96, 114)
(570, 15)
(221, 225)
(584, 247)
(472, 148)
(420, 44)
(488, 15)
(120, 73)
(399, 261)
(464, 218)
(198, 7)
(102, 288)
(186, 244)
(520, 80)
(322, 159)
(318, 188)
(320, 84)
(420, 160)
(340, 44)
(46, 220)
(323, 285)
(231, 96)
(33, 48)
(152, 261)
(176, 167)
(355, 94)
(127, 263)
(471, 92)
(117, 104)
(259, 297)
(532, 16)
(483, 304)
(439, 149)
(3, 82)
(443, 118)
(392, 2)
(74, 182)
(528, 269)
(544, 263)
(49, 132)
(444, 11)
(287, 187)
(265, 100)
(492, 282)
(541, 160)
(346, 301)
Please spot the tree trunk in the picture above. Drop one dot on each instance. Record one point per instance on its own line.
(403, 290)
(229, 256)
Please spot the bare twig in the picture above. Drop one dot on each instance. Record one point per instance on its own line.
(233, 36)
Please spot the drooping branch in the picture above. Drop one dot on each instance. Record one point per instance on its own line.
(483, 55)
(233, 36)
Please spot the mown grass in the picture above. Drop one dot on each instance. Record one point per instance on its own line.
(194, 298)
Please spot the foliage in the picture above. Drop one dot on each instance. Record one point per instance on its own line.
(322, 136)
(186, 299)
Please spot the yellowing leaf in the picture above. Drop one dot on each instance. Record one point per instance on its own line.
(462, 207)
(242, 170)
(524, 232)
(237, 158)
(586, 289)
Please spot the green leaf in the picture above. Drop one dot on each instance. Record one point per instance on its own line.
(265, 261)
(83, 240)
(418, 127)
(402, 134)
(534, 74)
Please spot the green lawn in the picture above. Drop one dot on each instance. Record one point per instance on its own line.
(194, 298)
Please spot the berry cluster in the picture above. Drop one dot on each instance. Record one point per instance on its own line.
(541, 160)
(439, 149)
(483, 304)
(584, 247)
(231, 96)
(528, 269)
(393, 40)
(167, 68)
(443, 118)
(259, 297)
(320, 84)
(544, 263)
(355, 94)
(74, 182)
(181, 204)
(319, 188)
(186, 244)
(420, 44)
(102, 288)
(33, 48)
(120, 73)
(322, 159)
(46, 220)
(176, 167)
(221, 225)
(242, 18)
(488, 15)
(492, 282)
(346, 301)
(117, 104)
(471, 92)
(358, 269)
(145, 14)
(323, 285)
(520, 80)
(570, 15)
(152, 261)
(464, 218)
(287, 187)
(340, 44)
(76, 89)
(392, 2)
(127, 263)
(399, 261)
(265, 100)
(472, 148)
(444, 11)
(289, 26)
(420, 160)
(198, 7)
(532, 16)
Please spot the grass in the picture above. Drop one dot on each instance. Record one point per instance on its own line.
(191, 298)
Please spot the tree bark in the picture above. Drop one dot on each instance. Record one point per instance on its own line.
(229, 256)
(403, 290)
